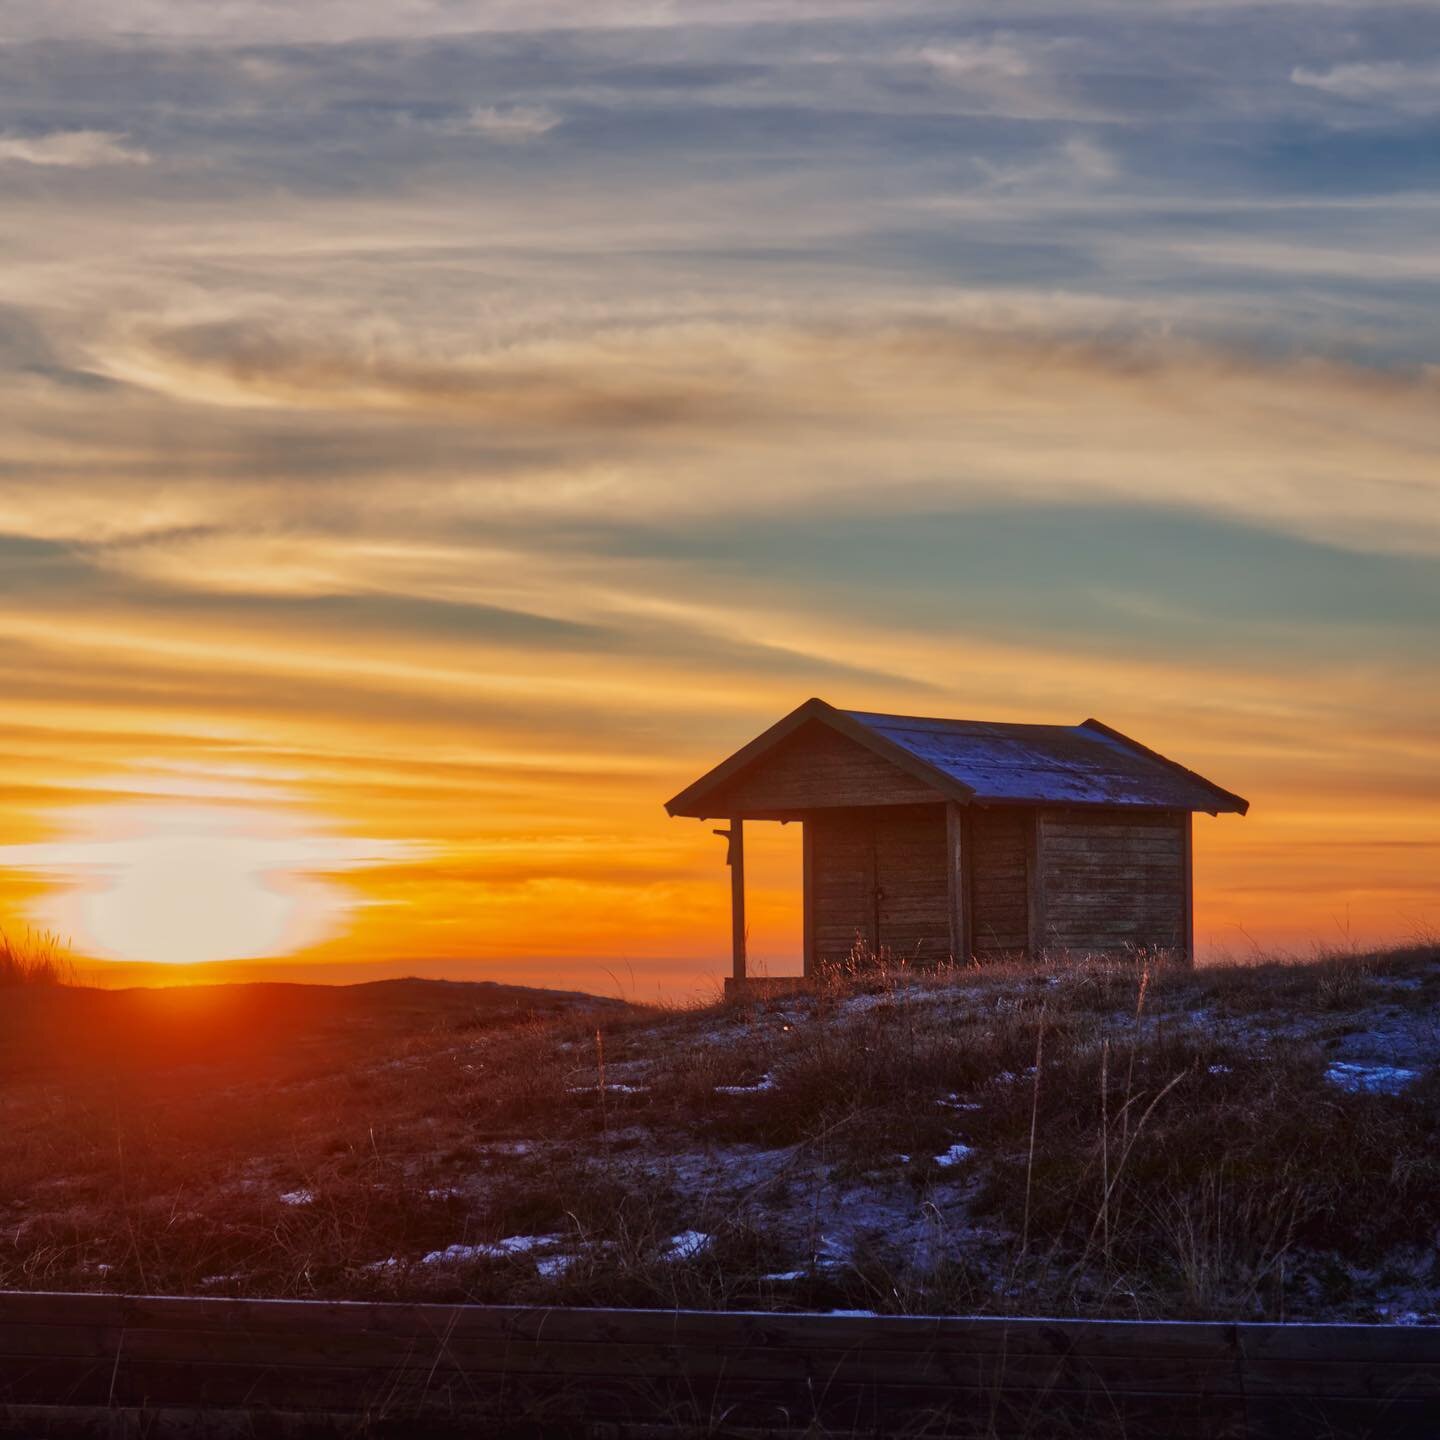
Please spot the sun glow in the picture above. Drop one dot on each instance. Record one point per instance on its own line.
(177, 883)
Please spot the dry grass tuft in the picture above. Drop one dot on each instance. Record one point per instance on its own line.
(39, 959)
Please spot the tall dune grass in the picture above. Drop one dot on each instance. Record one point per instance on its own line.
(39, 959)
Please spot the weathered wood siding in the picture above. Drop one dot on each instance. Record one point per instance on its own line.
(999, 858)
(878, 875)
(190, 1369)
(816, 768)
(1114, 879)
(1103, 880)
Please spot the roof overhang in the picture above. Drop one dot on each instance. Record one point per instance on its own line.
(1226, 802)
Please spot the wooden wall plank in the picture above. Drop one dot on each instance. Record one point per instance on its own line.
(956, 864)
(807, 896)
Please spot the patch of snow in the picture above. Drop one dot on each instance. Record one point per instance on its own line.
(1369, 1079)
(552, 1267)
(765, 1082)
(517, 1244)
(857, 1004)
(1219, 1070)
(298, 1197)
(511, 1245)
(687, 1245)
(903, 1159)
(617, 1087)
(954, 1155)
(857, 1314)
(508, 1147)
(443, 1192)
(459, 1254)
(952, 1101)
(784, 1276)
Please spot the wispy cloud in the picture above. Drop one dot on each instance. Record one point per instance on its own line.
(71, 149)
(1141, 416)
(1411, 86)
(513, 122)
(968, 59)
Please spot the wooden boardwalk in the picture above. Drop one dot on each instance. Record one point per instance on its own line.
(117, 1366)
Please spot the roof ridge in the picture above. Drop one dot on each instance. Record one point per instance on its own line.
(959, 720)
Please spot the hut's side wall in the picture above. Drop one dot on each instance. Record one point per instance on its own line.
(999, 857)
(878, 877)
(1111, 880)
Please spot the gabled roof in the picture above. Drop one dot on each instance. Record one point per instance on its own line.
(987, 762)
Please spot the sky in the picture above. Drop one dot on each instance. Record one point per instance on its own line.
(436, 432)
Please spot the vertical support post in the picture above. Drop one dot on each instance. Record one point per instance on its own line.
(807, 895)
(1035, 887)
(1188, 931)
(955, 882)
(736, 859)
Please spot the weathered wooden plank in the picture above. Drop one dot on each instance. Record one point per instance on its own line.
(807, 897)
(312, 1357)
(737, 898)
(1037, 920)
(338, 1388)
(1001, 900)
(1302, 1343)
(732, 1327)
(369, 1355)
(1188, 917)
(1132, 822)
(1158, 846)
(991, 1418)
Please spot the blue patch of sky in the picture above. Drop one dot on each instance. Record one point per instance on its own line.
(1121, 576)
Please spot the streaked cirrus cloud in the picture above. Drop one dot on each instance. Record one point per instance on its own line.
(80, 149)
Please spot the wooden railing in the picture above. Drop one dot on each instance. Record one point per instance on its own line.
(123, 1365)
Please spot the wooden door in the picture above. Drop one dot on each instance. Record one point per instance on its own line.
(841, 902)
(912, 895)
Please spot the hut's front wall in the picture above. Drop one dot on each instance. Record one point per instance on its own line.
(815, 768)
(1113, 880)
(878, 880)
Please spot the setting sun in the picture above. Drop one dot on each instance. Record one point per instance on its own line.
(175, 883)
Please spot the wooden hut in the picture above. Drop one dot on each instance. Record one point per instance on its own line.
(926, 839)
